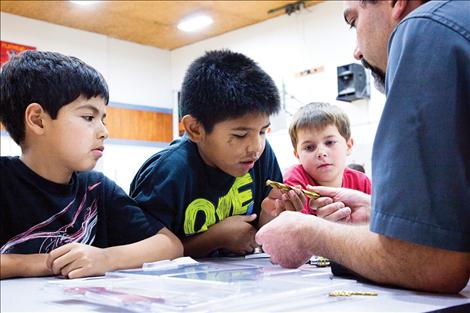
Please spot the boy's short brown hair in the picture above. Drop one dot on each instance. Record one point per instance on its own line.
(318, 115)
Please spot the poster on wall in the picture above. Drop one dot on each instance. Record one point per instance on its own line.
(9, 49)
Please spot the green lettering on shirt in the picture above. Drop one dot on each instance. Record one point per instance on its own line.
(228, 205)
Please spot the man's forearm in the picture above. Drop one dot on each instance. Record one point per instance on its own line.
(23, 265)
(391, 261)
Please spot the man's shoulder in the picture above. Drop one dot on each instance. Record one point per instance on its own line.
(451, 14)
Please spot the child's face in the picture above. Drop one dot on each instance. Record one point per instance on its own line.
(235, 145)
(322, 154)
(75, 138)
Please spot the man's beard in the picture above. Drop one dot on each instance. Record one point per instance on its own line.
(378, 74)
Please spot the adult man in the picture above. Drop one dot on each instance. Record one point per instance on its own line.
(419, 232)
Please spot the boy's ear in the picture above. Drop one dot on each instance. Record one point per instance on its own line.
(350, 144)
(193, 128)
(34, 118)
(296, 154)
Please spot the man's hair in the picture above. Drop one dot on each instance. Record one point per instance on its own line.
(223, 85)
(318, 115)
(47, 78)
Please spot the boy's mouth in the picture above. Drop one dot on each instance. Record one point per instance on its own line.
(324, 165)
(98, 151)
(248, 163)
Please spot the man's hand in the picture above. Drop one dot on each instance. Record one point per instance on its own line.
(287, 237)
(281, 200)
(341, 204)
(75, 260)
(237, 234)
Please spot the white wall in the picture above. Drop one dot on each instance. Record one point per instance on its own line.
(286, 45)
(136, 74)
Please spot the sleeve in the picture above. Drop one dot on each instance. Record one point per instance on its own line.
(421, 190)
(159, 191)
(126, 223)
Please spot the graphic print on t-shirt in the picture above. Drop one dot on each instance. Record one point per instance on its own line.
(79, 228)
(201, 213)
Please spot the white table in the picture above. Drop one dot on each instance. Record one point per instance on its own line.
(30, 295)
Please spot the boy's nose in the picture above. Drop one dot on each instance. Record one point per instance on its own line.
(256, 146)
(103, 132)
(321, 154)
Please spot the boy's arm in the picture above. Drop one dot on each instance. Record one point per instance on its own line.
(78, 260)
(23, 265)
(235, 233)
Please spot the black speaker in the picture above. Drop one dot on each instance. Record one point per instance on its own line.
(352, 83)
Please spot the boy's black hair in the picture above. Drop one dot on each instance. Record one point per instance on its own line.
(47, 78)
(223, 85)
(357, 167)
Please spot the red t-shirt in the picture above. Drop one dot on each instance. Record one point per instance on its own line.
(352, 179)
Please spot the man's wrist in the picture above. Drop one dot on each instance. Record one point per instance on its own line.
(315, 228)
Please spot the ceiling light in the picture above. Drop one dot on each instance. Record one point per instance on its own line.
(194, 23)
(84, 2)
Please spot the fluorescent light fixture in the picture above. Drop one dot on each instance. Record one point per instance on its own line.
(83, 2)
(194, 23)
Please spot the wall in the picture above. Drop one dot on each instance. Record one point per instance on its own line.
(286, 45)
(136, 75)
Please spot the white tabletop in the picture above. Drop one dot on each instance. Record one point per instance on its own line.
(312, 294)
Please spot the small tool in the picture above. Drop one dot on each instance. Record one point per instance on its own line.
(275, 184)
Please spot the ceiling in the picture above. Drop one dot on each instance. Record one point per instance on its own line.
(151, 23)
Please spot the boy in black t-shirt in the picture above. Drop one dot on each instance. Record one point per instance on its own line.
(57, 217)
(209, 188)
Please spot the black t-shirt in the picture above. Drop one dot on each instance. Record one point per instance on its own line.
(179, 189)
(38, 215)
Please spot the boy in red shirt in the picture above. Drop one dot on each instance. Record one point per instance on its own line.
(321, 137)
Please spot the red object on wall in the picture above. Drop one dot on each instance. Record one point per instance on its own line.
(9, 49)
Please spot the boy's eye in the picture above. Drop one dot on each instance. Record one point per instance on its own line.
(309, 148)
(239, 135)
(88, 118)
(330, 142)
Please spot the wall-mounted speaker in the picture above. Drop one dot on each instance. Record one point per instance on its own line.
(352, 83)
